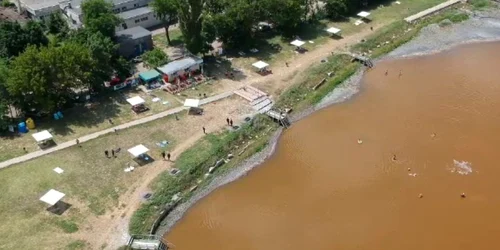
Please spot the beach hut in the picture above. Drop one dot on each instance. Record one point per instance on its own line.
(298, 44)
(261, 66)
(43, 138)
(149, 76)
(193, 106)
(137, 103)
(334, 31)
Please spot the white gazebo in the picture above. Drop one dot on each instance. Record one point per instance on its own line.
(297, 43)
(42, 138)
(137, 104)
(364, 14)
(138, 150)
(52, 197)
(334, 31)
(261, 66)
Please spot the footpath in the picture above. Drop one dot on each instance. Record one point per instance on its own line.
(92, 136)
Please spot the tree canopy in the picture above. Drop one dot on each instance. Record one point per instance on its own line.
(98, 16)
(44, 78)
(4, 95)
(154, 58)
(14, 38)
(166, 10)
(190, 14)
(56, 25)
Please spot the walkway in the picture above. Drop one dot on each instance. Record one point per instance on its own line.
(429, 11)
(92, 136)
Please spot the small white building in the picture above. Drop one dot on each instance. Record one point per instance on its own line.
(144, 17)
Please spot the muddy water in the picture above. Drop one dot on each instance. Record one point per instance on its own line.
(440, 120)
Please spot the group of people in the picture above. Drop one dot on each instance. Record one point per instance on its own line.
(165, 156)
(229, 122)
(113, 153)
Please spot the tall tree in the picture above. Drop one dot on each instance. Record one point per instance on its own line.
(98, 16)
(4, 96)
(14, 38)
(44, 78)
(285, 14)
(191, 25)
(56, 25)
(155, 58)
(336, 9)
(166, 10)
(234, 21)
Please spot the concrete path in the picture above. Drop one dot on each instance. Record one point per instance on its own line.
(92, 136)
(429, 11)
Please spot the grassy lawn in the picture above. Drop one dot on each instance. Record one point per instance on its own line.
(82, 120)
(160, 40)
(92, 184)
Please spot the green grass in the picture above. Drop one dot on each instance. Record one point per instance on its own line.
(195, 162)
(67, 226)
(75, 245)
(92, 184)
(80, 120)
(160, 40)
(480, 4)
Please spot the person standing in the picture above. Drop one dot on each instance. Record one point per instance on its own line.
(163, 155)
(168, 156)
(231, 122)
(106, 152)
(227, 121)
(113, 153)
(204, 131)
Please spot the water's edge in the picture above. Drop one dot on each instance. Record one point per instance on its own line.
(482, 27)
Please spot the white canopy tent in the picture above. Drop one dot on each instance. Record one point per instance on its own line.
(42, 136)
(260, 65)
(136, 100)
(138, 150)
(52, 197)
(333, 31)
(363, 14)
(297, 43)
(192, 103)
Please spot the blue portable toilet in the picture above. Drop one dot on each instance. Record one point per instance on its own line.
(22, 127)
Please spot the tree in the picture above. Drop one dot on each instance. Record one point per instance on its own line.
(4, 96)
(233, 22)
(166, 10)
(154, 58)
(191, 25)
(56, 25)
(14, 38)
(98, 16)
(335, 9)
(286, 15)
(44, 78)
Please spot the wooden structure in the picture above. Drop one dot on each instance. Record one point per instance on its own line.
(146, 242)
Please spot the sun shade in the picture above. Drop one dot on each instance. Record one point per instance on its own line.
(192, 103)
(42, 136)
(297, 43)
(333, 30)
(260, 64)
(136, 100)
(52, 197)
(363, 14)
(138, 150)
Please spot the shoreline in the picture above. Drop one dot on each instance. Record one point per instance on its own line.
(432, 39)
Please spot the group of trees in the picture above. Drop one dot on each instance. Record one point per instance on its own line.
(42, 64)
(234, 22)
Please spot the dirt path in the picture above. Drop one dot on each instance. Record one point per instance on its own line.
(110, 231)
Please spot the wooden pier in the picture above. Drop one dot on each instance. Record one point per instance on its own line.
(356, 57)
(146, 242)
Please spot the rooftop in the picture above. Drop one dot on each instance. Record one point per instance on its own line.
(10, 14)
(135, 13)
(132, 33)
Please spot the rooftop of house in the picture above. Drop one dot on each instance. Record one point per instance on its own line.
(135, 13)
(132, 33)
(10, 14)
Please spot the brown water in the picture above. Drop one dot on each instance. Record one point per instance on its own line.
(323, 190)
